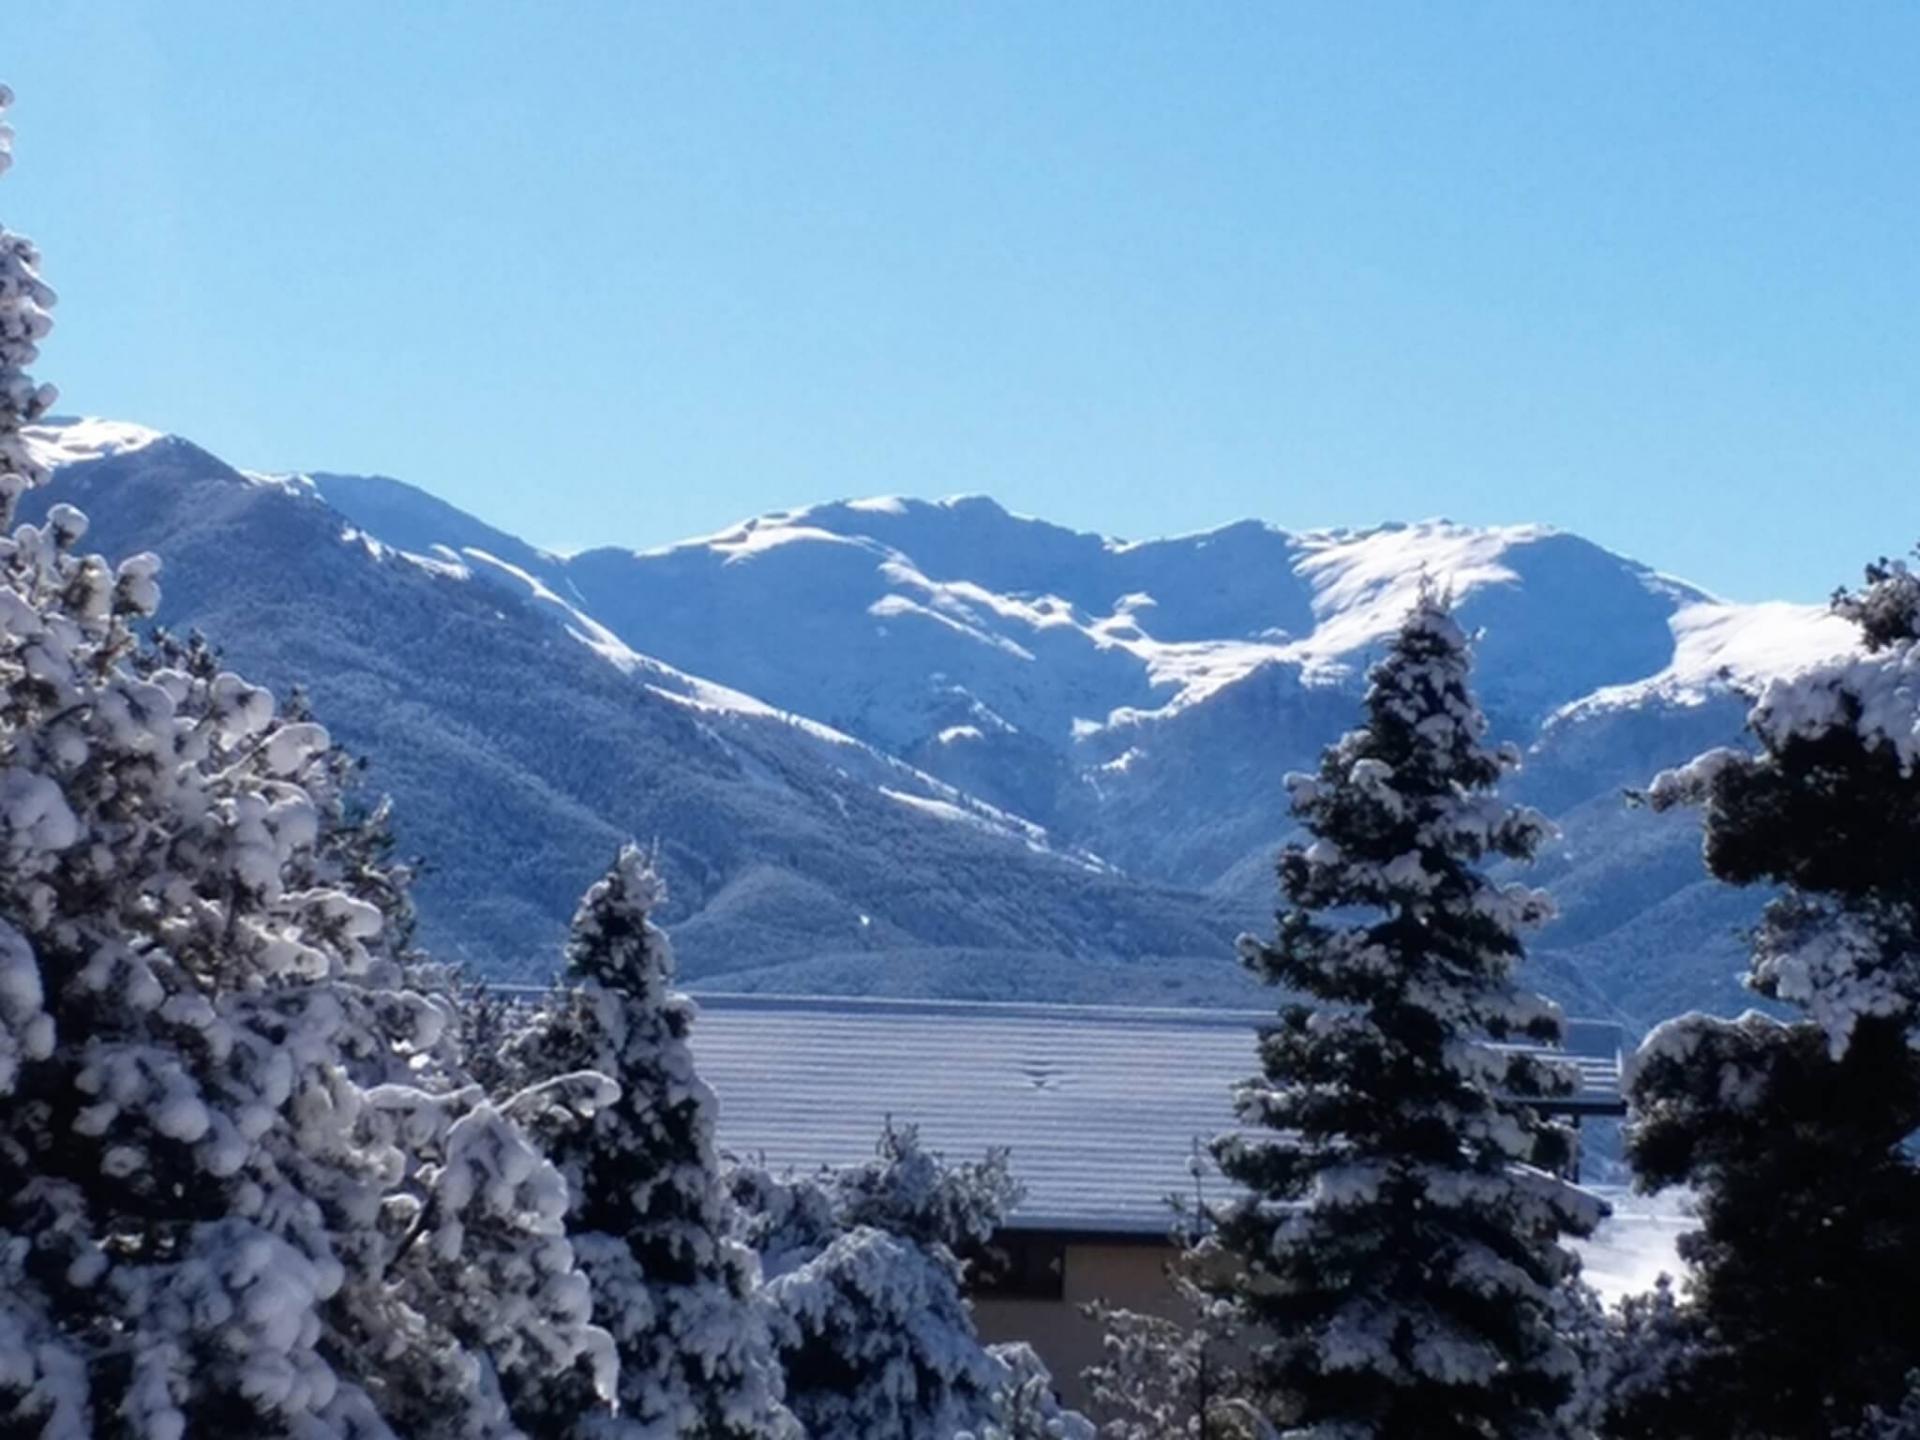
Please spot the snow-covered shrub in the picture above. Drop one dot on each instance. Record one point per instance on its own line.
(907, 1190)
(1160, 1377)
(865, 1289)
(1029, 1405)
(1397, 1249)
(876, 1341)
(1642, 1346)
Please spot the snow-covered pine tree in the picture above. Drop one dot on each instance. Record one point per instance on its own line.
(1397, 1248)
(866, 1289)
(651, 1216)
(208, 1038)
(1803, 1307)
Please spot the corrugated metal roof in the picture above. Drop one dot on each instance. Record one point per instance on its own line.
(1099, 1105)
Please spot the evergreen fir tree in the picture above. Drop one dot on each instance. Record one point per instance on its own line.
(214, 1055)
(1803, 1307)
(1399, 1238)
(651, 1217)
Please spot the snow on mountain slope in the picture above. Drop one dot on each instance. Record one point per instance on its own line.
(1142, 699)
(1130, 695)
(67, 440)
(976, 601)
(1363, 583)
(1718, 646)
(392, 516)
(520, 756)
(414, 521)
(963, 611)
(1046, 693)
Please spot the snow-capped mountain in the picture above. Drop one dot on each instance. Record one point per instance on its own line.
(1090, 732)
(520, 756)
(1081, 681)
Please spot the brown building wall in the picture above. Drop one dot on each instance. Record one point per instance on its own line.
(1127, 1276)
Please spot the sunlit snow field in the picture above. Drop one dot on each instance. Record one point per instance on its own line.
(1629, 1252)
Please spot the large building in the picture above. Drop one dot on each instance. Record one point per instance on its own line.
(1105, 1111)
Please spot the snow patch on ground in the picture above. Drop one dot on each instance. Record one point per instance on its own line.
(1635, 1245)
(293, 484)
(947, 804)
(1199, 669)
(759, 535)
(897, 607)
(698, 694)
(580, 625)
(943, 809)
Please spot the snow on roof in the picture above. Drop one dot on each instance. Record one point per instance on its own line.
(1100, 1106)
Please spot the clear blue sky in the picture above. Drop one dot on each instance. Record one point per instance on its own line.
(624, 273)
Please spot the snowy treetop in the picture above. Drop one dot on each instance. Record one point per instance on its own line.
(26, 303)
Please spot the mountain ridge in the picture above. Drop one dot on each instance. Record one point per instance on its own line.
(1120, 709)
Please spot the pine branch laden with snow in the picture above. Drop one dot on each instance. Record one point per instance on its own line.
(486, 1244)
(649, 1209)
(865, 1291)
(1793, 1134)
(203, 982)
(1400, 1236)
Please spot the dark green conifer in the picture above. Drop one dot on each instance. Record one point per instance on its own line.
(1400, 1238)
